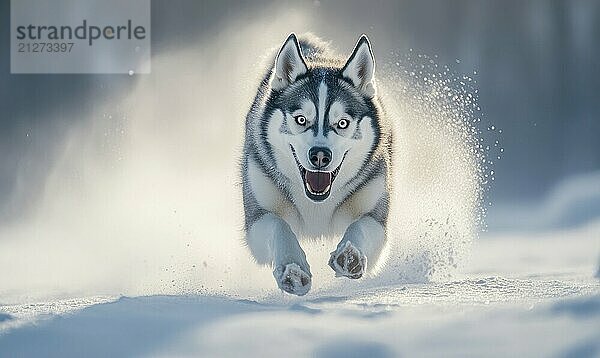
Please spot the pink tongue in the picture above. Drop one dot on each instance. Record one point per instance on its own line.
(318, 181)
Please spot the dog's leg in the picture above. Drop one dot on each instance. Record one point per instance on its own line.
(272, 242)
(363, 240)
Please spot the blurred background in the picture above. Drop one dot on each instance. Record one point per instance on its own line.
(535, 63)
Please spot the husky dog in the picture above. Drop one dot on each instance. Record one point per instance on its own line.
(316, 162)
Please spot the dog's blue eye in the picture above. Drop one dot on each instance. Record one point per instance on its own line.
(343, 123)
(301, 120)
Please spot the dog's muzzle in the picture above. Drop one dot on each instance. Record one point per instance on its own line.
(317, 184)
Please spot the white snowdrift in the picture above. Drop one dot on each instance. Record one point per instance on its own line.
(548, 306)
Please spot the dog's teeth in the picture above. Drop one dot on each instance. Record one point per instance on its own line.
(324, 192)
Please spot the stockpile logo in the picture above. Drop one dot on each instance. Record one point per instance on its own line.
(77, 36)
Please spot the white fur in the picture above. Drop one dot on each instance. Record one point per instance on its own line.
(322, 104)
(367, 235)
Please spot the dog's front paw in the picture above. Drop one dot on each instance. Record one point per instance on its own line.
(292, 279)
(348, 261)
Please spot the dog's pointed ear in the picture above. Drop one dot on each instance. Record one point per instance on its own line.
(360, 68)
(289, 64)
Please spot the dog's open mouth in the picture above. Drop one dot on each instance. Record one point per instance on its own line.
(317, 184)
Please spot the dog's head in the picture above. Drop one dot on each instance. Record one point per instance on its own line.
(323, 121)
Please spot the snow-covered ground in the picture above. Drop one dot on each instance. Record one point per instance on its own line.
(533, 295)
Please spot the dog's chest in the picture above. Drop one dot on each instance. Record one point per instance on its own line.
(318, 219)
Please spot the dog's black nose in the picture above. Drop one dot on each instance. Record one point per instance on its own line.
(320, 157)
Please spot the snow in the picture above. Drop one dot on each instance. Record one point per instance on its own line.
(521, 295)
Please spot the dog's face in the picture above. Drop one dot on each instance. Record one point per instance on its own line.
(323, 125)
